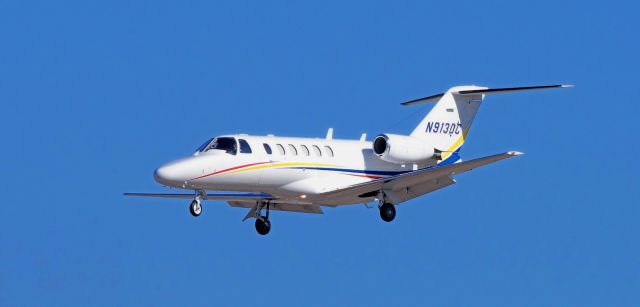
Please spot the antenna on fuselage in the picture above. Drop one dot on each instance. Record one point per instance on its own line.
(330, 134)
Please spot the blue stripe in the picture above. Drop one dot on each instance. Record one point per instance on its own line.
(453, 158)
(358, 171)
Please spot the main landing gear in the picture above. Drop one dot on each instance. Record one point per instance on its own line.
(263, 225)
(387, 212)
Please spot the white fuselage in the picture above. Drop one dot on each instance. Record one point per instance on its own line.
(296, 169)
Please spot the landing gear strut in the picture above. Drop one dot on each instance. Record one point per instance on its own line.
(263, 225)
(387, 212)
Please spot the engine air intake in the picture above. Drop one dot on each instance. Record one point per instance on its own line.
(380, 145)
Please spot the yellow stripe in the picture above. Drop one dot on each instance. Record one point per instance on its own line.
(279, 164)
(455, 145)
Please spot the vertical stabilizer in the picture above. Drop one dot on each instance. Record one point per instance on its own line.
(447, 124)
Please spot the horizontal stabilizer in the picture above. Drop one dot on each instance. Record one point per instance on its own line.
(483, 91)
(511, 89)
(423, 100)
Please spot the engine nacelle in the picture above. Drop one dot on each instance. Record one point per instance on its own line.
(403, 149)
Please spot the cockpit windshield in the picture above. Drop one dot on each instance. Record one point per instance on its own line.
(227, 144)
(203, 146)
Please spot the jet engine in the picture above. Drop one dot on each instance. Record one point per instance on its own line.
(403, 149)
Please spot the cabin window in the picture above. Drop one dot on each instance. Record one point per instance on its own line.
(267, 148)
(227, 144)
(293, 150)
(316, 151)
(280, 149)
(305, 150)
(329, 151)
(244, 146)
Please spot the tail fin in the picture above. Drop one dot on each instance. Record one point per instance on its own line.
(448, 123)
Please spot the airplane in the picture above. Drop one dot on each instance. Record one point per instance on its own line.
(264, 173)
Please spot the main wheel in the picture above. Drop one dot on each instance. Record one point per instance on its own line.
(195, 208)
(387, 212)
(263, 226)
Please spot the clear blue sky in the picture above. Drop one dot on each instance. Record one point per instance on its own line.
(96, 95)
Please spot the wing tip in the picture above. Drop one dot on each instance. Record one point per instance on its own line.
(514, 153)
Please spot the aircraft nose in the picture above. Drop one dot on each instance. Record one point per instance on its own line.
(177, 173)
(159, 174)
(168, 174)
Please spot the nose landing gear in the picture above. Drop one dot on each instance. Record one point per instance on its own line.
(196, 207)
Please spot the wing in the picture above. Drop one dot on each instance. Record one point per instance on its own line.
(209, 196)
(243, 200)
(291, 207)
(413, 184)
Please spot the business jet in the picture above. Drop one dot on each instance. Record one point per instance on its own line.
(264, 173)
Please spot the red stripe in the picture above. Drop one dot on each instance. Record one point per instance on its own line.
(229, 169)
(366, 176)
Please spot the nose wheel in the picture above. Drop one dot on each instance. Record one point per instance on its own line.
(387, 212)
(195, 208)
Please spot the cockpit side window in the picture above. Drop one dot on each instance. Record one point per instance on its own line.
(226, 144)
(244, 146)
